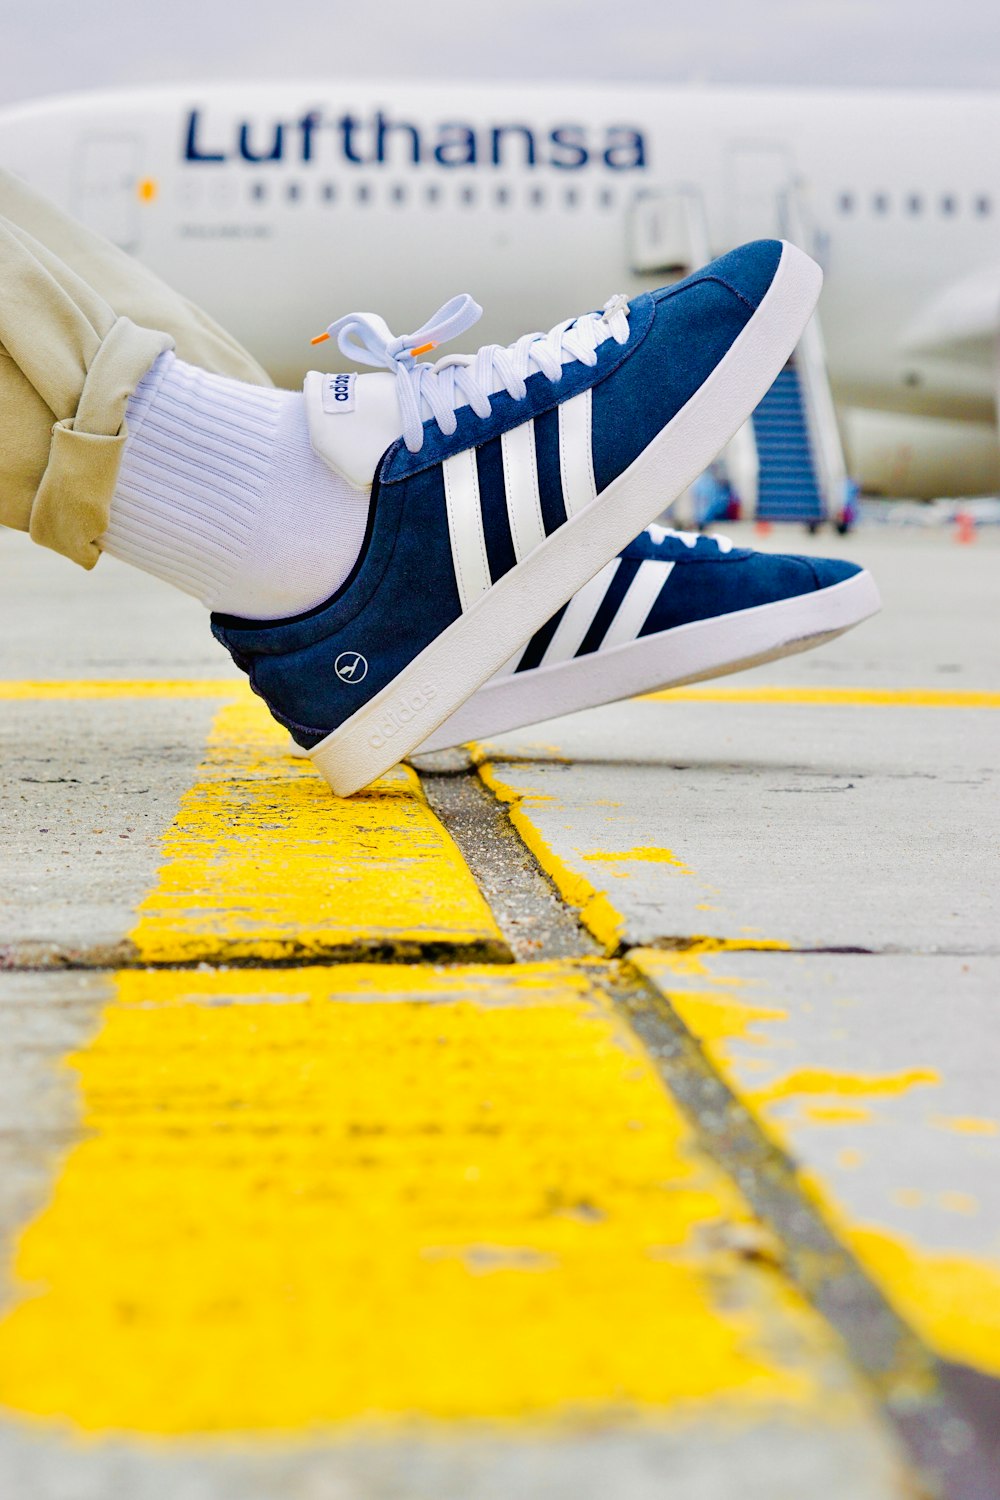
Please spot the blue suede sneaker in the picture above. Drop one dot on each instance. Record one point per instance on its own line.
(500, 484)
(672, 608)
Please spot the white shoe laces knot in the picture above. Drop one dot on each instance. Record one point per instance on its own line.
(458, 379)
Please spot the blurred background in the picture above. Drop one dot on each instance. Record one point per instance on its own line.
(283, 164)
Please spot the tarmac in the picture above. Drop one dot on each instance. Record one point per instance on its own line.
(607, 1110)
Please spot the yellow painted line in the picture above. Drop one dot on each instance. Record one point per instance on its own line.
(805, 1082)
(228, 687)
(837, 1114)
(967, 1124)
(261, 863)
(315, 1196)
(95, 688)
(311, 1196)
(831, 697)
(646, 854)
(952, 1300)
(597, 913)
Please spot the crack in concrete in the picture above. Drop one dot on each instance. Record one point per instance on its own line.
(28, 957)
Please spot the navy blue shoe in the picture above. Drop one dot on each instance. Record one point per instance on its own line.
(500, 484)
(672, 608)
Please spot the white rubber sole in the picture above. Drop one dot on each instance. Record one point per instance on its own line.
(408, 711)
(688, 653)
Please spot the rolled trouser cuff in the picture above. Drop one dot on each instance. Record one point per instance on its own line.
(73, 502)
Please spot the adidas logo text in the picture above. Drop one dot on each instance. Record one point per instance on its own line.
(395, 719)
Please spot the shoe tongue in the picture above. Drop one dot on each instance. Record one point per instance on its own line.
(352, 420)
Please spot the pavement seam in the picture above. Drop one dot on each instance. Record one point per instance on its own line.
(944, 1413)
(520, 891)
(44, 958)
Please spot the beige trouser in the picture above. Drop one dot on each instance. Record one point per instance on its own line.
(80, 324)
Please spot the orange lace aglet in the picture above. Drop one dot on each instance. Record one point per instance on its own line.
(320, 338)
(423, 349)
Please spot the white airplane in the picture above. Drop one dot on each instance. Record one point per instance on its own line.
(279, 207)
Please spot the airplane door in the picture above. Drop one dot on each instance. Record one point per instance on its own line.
(667, 235)
(759, 178)
(106, 188)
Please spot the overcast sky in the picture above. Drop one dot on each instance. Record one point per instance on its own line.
(57, 45)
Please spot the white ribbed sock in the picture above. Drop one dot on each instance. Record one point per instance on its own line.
(220, 494)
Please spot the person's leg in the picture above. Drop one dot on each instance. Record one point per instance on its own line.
(200, 473)
(68, 364)
(496, 486)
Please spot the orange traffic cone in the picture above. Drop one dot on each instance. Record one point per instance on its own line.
(965, 528)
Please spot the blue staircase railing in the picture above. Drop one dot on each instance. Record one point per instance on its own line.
(788, 486)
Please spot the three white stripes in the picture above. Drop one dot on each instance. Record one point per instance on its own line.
(633, 612)
(524, 508)
(629, 618)
(626, 625)
(527, 530)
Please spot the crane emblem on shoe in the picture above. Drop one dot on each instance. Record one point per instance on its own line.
(351, 666)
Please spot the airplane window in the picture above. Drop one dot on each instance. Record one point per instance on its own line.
(572, 197)
(915, 204)
(293, 192)
(433, 192)
(468, 194)
(846, 203)
(606, 198)
(363, 192)
(259, 191)
(329, 192)
(983, 207)
(948, 204)
(502, 196)
(536, 197)
(398, 193)
(880, 203)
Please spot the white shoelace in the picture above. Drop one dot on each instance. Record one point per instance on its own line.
(689, 538)
(458, 379)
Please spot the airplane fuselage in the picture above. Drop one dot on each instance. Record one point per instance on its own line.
(280, 207)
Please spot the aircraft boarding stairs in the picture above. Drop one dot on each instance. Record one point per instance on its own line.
(787, 463)
(788, 487)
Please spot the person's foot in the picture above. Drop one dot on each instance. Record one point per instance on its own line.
(672, 608)
(520, 472)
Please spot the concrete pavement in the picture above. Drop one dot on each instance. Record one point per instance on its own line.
(315, 1187)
